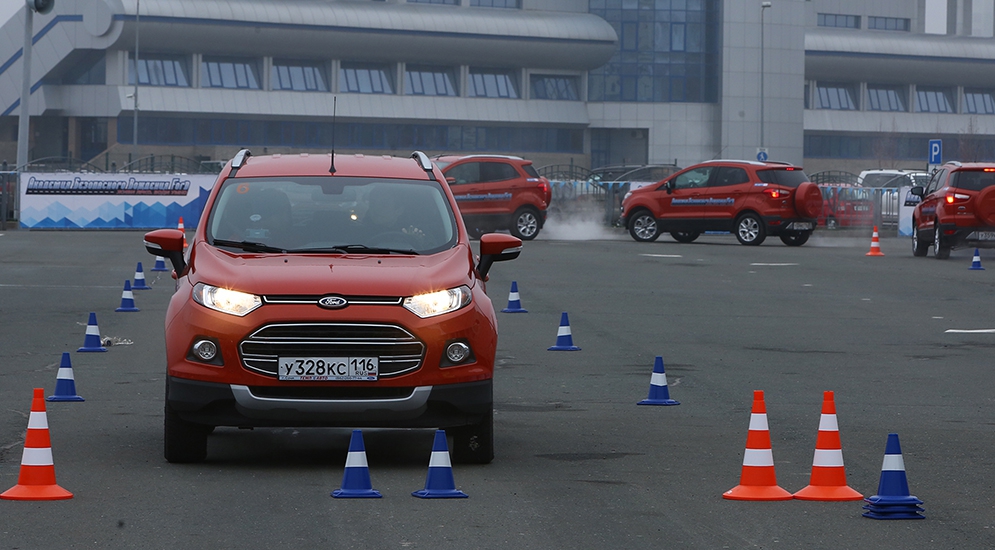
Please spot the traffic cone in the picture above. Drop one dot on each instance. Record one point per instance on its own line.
(160, 264)
(564, 339)
(181, 228)
(828, 480)
(758, 481)
(440, 482)
(127, 299)
(976, 262)
(65, 382)
(356, 480)
(893, 500)
(659, 394)
(514, 302)
(140, 279)
(37, 478)
(92, 340)
(875, 244)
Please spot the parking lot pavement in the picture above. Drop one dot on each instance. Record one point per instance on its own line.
(579, 464)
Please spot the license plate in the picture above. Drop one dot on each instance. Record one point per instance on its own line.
(984, 235)
(328, 368)
(861, 208)
(801, 226)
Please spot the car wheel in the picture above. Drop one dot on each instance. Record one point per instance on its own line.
(643, 227)
(474, 444)
(184, 442)
(831, 223)
(525, 223)
(795, 239)
(919, 247)
(685, 236)
(940, 252)
(750, 230)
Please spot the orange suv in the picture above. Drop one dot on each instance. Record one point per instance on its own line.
(330, 290)
(498, 192)
(750, 199)
(957, 210)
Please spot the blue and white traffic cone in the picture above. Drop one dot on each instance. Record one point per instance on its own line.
(140, 279)
(514, 302)
(893, 500)
(659, 394)
(564, 339)
(440, 482)
(356, 480)
(127, 299)
(976, 262)
(92, 340)
(160, 264)
(65, 383)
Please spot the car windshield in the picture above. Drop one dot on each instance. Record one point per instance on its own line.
(974, 180)
(788, 177)
(336, 215)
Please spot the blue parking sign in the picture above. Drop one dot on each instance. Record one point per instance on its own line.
(935, 151)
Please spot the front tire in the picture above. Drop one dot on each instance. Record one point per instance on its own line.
(474, 444)
(940, 252)
(685, 236)
(750, 230)
(919, 247)
(643, 227)
(183, 442)
(795, 239)
(525, 223)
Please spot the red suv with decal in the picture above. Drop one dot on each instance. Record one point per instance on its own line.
(957, 210)
(325, 290)
(750, 199)
(498, 192)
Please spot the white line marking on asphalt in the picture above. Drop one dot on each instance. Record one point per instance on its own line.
(973, 331)
(772, 265)
(662, 255)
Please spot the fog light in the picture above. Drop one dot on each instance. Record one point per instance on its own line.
(457, 352)
(205, 350)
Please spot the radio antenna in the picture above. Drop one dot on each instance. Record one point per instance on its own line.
(335, 102)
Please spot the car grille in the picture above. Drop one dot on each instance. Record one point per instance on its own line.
(398, 350)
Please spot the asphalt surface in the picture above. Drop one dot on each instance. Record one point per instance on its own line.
(579, 464)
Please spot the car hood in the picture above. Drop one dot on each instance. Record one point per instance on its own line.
(319, 274)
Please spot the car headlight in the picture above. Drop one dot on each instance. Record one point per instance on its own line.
(438, 302)
(225, 300)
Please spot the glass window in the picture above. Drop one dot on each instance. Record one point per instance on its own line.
(729, 175)
(465, 173)
(835, 96)
(366, 78)
(447, 2)
(693, 178)
(513, 4)
(934, 100)
(888, 23)
(159, 70)
(493, 83)
(427, 80)
(838, 20)
(301, 76)
(886, 98)
(229, 73)
(788, 177)
(979, 102)
(497, 171)
(555, 87)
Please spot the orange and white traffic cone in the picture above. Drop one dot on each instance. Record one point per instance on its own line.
(181, 228)
(37, 478)
(758, 481)
(828, 481)
(875, 244)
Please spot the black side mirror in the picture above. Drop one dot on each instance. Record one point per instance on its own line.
(917, 191)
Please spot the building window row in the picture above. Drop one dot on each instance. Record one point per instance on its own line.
(862, 146)
(839, 96)
(511, 4)
(853, 22)
(325, 135)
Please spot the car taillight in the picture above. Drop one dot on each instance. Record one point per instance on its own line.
(544, 186)
(778, 193)
(956, 197)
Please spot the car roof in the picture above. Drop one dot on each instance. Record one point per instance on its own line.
(454, 158)
(768, 164)
(305, 164)
(970, 165)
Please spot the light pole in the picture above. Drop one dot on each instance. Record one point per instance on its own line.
(134, 126)
(763, 9)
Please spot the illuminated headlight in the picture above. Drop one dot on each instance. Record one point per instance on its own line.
(439, 302)
(224, 300)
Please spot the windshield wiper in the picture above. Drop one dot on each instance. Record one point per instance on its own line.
(354, 249)
(249, 246)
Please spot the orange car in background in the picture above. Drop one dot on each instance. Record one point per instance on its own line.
(325, 290)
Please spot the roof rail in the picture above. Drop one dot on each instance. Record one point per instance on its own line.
(239, 161)
(425, 164)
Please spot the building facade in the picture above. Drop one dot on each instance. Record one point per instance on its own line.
(831, 84)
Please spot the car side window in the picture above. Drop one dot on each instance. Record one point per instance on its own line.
(935, 183)
(693, 178)
(729, 175)
(496, 171)
(465, 173)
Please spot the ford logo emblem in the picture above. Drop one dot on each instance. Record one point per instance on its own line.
(332, 302)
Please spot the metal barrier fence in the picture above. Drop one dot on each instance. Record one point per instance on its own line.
(571, 197)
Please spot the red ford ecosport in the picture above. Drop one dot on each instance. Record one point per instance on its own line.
(330, 290)
(957, 209)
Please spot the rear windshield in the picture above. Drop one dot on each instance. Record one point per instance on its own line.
(883, 180)
(788, 177)
(973, 180)
(530, 170)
